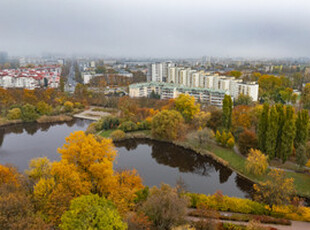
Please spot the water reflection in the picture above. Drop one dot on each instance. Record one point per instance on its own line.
(33, 128)
(206, 175)
(21, 143)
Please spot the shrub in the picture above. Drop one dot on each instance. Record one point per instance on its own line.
(204, 135)
(117, 135)
(109, 122)
(29, 113)
(43, 108)
(138, 221)
(14, 114)
(224, 203)
(247, 140)
(78, 105)
(165, 208)
(128, 126)
(91, 129)
(225, 139)
(256, 162)
(144, 125)
(68, 106)
(230, 143)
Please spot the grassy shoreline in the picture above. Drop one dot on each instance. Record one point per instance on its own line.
(226, 157)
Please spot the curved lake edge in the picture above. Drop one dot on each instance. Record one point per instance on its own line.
(186, 146)
(10, 123)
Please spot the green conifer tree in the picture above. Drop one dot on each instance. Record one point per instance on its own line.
(262, 127)
(227, 112)
(302, 126)
(281, 119)
(288, 134)
(272, 133)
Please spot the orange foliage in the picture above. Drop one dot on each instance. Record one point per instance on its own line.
(124, 191)
(241, 116)
(8, 175)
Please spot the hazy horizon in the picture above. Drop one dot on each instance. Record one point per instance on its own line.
(156, 29)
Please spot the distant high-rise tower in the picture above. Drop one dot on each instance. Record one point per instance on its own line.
(3, 57)
(159, 71)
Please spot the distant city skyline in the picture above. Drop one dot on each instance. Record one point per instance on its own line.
(156, 29)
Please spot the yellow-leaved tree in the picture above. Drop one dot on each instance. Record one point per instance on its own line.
(86, 167)
(256, 162)
(185, 104)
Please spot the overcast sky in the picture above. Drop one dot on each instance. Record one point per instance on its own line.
(157, 28)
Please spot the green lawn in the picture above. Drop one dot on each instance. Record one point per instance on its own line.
(106, 133)
(237, 162)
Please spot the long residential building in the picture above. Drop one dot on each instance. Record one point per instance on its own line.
(187, 77)
(170, 90)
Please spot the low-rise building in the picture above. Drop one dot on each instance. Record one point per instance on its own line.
(169, 90)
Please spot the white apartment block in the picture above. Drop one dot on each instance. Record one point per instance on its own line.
(191, 78)
(168, 91)
(159, 71)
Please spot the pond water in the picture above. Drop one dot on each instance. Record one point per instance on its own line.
(156, 162)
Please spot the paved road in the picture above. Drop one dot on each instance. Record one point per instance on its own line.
(71, 83)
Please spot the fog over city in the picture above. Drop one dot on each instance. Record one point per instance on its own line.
(156, 28)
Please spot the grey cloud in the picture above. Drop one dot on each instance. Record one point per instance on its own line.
(175, 28)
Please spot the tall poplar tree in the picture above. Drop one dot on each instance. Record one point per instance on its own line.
(262, 127)
(281, 119)
(288, 134)
(272, 133)
(227, 112)
(302, 126)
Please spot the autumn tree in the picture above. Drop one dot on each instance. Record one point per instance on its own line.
(185, 104)
(215, 120)
(288, 134)
(235, 73)
(165, 207)
(227, 112)
(268, 84)
(17, 211)
(201, 119)
(277, 190)
(127, 107)
(123, 193)
(247, 140)
(86, 166)
(91, 212)
(8, 175)
(262, 127)
(256, 162)
(241, 117)
(272, 133)
(167, 124)
(244, 100)
(39, 168)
